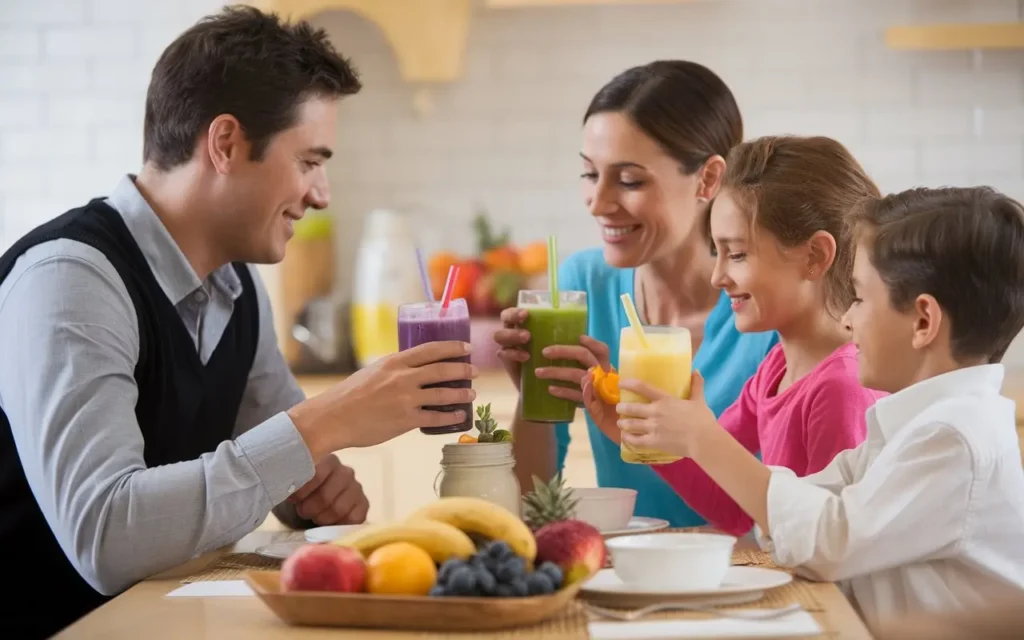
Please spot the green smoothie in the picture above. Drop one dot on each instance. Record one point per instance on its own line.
(548, 327)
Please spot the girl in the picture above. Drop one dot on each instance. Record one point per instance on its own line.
(784, 257)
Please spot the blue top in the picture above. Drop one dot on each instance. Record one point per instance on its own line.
(726, 358)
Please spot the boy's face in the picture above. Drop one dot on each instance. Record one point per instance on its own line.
(884, 336)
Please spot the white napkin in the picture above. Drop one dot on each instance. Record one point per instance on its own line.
(208, 588)
(796, 624)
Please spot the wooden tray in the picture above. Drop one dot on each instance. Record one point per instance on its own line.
(411, 613)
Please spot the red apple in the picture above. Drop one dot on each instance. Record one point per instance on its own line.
(324, 567)
(575, 546)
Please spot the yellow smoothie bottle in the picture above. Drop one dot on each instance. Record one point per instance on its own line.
(666, 363)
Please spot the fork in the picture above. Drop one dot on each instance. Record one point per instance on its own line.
(628, 616)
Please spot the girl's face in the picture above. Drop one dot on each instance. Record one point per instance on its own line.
(770, 286)
(644, 203)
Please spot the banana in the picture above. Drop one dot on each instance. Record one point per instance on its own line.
(479, 516)
(441, 540)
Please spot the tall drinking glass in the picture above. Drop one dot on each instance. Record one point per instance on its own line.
(666, 363)
(549, 326)
(422, 322)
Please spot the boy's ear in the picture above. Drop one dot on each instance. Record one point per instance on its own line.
(821, 253)
(928, 324)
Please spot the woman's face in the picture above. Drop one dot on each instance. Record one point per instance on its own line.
(646, 206)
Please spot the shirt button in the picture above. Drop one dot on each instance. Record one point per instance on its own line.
(199, 297)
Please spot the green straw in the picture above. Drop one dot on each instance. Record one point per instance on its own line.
(553, 270)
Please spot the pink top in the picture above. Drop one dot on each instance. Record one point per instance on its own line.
(802, 429)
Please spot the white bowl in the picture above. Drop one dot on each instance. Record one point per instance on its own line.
(678, 561)
(606, 508)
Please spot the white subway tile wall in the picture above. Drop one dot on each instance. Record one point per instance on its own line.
(505, 137)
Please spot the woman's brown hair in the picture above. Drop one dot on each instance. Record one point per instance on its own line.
(683, 106)
(794, 187)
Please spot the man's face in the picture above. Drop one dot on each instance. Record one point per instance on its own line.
(271, 194)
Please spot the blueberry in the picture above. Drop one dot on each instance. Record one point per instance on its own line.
(519, 588)
(446, 569)
(485, 582)
(539, 583)
(462, 581)
(554, 572)
(499, 550)
(438, 591)
(511, 569)
(504, 591)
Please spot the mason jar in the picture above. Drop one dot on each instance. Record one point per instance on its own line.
(479, 470)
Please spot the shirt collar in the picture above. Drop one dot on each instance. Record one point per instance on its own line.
(899, 409)
(169, 265)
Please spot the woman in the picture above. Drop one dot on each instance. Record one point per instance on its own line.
(654, 142)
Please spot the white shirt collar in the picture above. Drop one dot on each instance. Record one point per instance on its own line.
(899, 409)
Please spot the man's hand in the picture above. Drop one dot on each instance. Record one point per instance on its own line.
(333, 496)
(386, 399)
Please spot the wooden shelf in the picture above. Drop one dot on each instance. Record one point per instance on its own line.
(947, 37)
(427, 36)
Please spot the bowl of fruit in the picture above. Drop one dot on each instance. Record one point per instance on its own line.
(457, 564)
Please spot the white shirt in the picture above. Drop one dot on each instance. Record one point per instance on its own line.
(927, 514)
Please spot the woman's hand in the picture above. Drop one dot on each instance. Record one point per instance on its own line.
(513, 339)
(668, 424)
(589, 353)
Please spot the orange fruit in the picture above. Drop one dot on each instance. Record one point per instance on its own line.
(503, 258)
(606, 384)
(467, 439)
(533, 260)
(400, 568)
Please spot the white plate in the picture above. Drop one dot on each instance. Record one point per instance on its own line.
(639, 525)
(279, 550)
(328, 534)
(738, 580)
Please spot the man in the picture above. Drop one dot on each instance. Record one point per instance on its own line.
(146, 415)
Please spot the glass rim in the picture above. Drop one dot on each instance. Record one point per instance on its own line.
(656, 328)
(428, 304)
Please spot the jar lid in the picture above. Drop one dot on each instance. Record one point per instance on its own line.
(477, 454)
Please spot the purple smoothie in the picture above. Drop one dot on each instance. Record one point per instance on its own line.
(421, 322)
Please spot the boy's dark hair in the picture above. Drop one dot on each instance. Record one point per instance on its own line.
(965, 247)
(683, 106)
(796, 186)
(243, 62)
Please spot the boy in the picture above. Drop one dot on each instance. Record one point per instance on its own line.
(928, 513)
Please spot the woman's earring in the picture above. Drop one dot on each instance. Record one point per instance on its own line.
(811, 272)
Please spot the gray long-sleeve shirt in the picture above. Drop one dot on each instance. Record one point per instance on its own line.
(69, 340)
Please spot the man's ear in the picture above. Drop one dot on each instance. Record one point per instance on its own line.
(226, 143)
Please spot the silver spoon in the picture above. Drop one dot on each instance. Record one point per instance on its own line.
(628, 616)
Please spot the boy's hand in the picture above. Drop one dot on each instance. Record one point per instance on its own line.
(666, 424)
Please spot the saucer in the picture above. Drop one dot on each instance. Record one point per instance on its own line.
(741, 584)
(331, 533)
(639, 525)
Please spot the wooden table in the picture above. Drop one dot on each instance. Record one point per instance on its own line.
(143, 611)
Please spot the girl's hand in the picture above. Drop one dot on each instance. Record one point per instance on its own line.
(589, 353)
(601, 406)
(668, 424)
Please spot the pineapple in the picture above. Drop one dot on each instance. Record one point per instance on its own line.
(548, 502)
(487, 426)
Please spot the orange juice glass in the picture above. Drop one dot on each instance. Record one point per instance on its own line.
(666, 363)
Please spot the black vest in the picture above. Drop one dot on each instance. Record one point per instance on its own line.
(184, 409)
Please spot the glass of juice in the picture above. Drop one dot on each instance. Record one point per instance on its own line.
(666, 363)
(549, 326)
(421, 322)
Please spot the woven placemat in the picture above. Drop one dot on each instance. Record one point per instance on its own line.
(232, 566)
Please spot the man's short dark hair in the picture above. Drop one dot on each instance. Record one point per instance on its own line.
(242, 62)
(963, 246)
